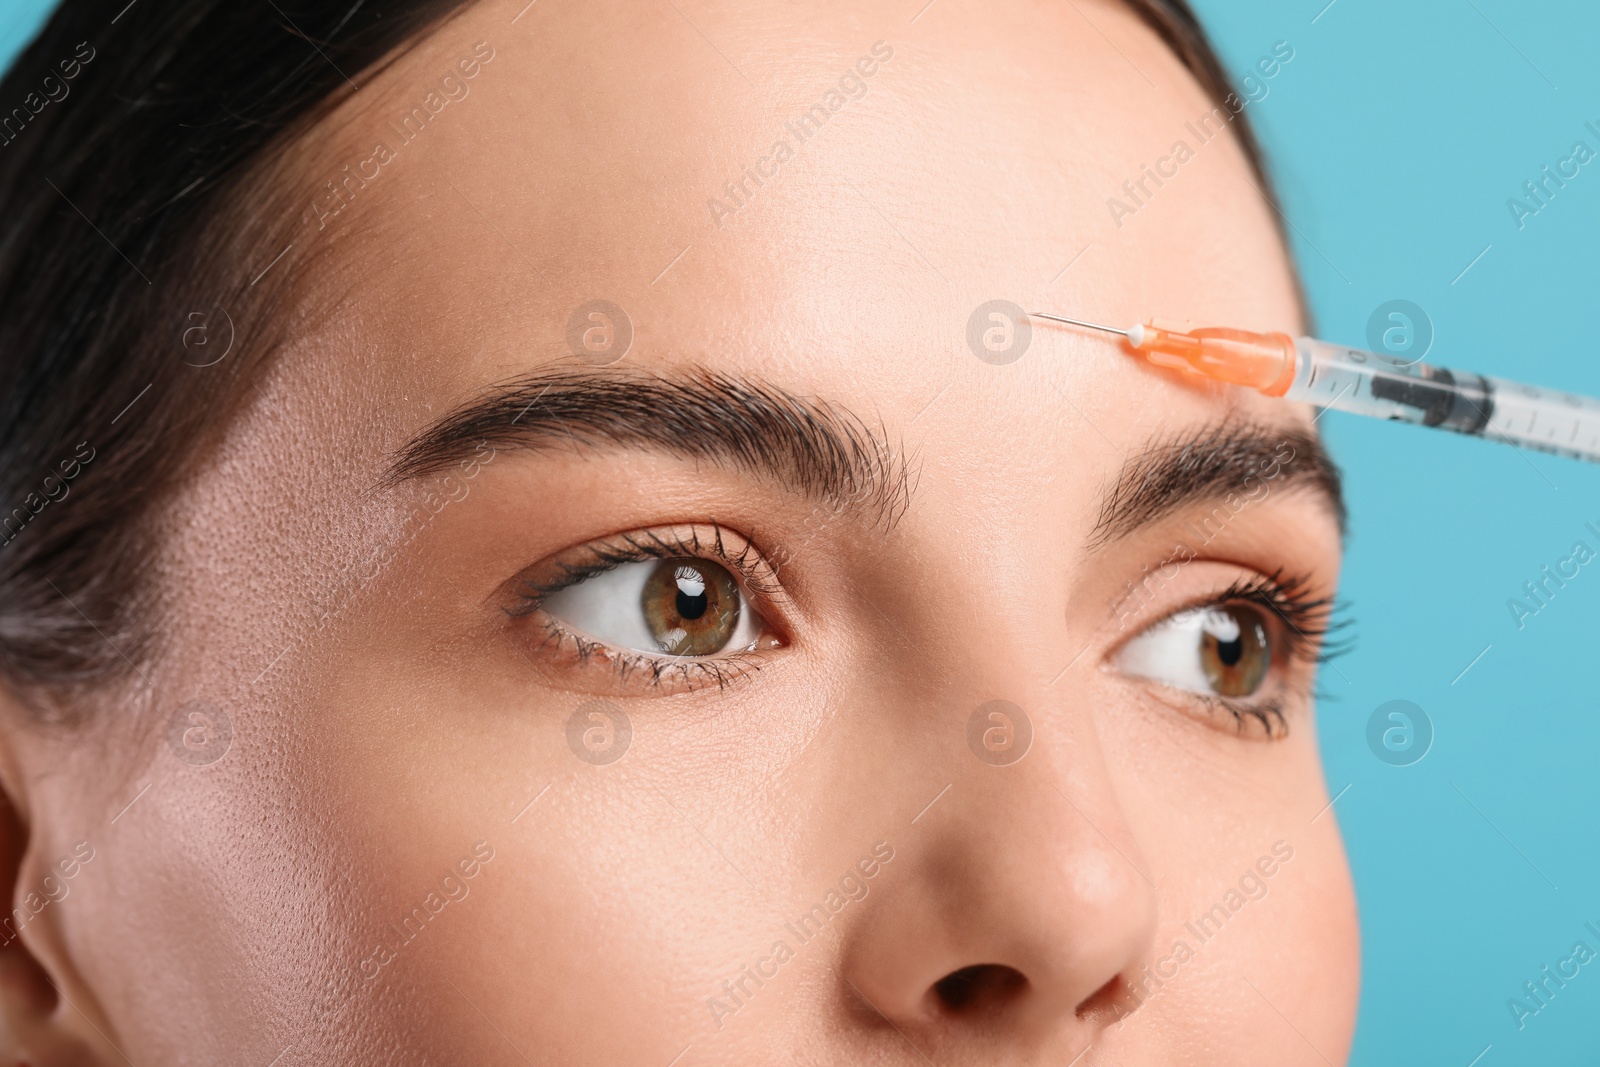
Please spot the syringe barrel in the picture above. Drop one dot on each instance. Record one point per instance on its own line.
(1379, 386)
(1562, 423)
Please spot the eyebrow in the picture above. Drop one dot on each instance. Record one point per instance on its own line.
(808, 446)
(1210, 464)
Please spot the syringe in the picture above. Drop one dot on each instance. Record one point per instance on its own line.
(1372, 384)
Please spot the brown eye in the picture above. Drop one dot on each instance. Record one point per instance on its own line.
(1234, 651)
(691, 607)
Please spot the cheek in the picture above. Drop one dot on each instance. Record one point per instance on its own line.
(422, 751)
(209, 894)
(1194, 798)
(1322, 978)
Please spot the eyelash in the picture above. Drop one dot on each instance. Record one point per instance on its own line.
(1307, 622)
(754, 575)
(1307, 626)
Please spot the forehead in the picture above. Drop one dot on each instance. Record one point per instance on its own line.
(824, 194)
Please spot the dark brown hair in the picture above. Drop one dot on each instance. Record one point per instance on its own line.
(125, 226)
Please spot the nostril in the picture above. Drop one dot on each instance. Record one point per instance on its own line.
(980, 988)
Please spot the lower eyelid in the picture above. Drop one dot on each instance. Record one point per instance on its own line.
(568, 651)
(1268, 715)
(1246, 717)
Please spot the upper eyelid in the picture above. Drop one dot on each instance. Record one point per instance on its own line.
(1306, 636)
(753, 572)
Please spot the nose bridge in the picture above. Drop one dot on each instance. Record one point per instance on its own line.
(1065, 888)
(1068, 885)
(1019, 907)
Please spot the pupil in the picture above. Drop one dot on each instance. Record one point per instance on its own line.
(692, 607)
(1231, 652)
(692, 599)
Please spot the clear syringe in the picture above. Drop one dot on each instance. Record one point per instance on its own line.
(1368, 383)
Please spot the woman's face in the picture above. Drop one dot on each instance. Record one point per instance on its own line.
(784, 661)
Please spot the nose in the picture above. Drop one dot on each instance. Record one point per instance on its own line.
(1021, 914)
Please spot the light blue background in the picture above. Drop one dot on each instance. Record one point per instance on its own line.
(1397, 133)
(19, 21)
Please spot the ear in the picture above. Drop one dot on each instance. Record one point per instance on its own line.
(39, 1024)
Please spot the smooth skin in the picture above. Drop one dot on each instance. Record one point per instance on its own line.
(392, 733)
